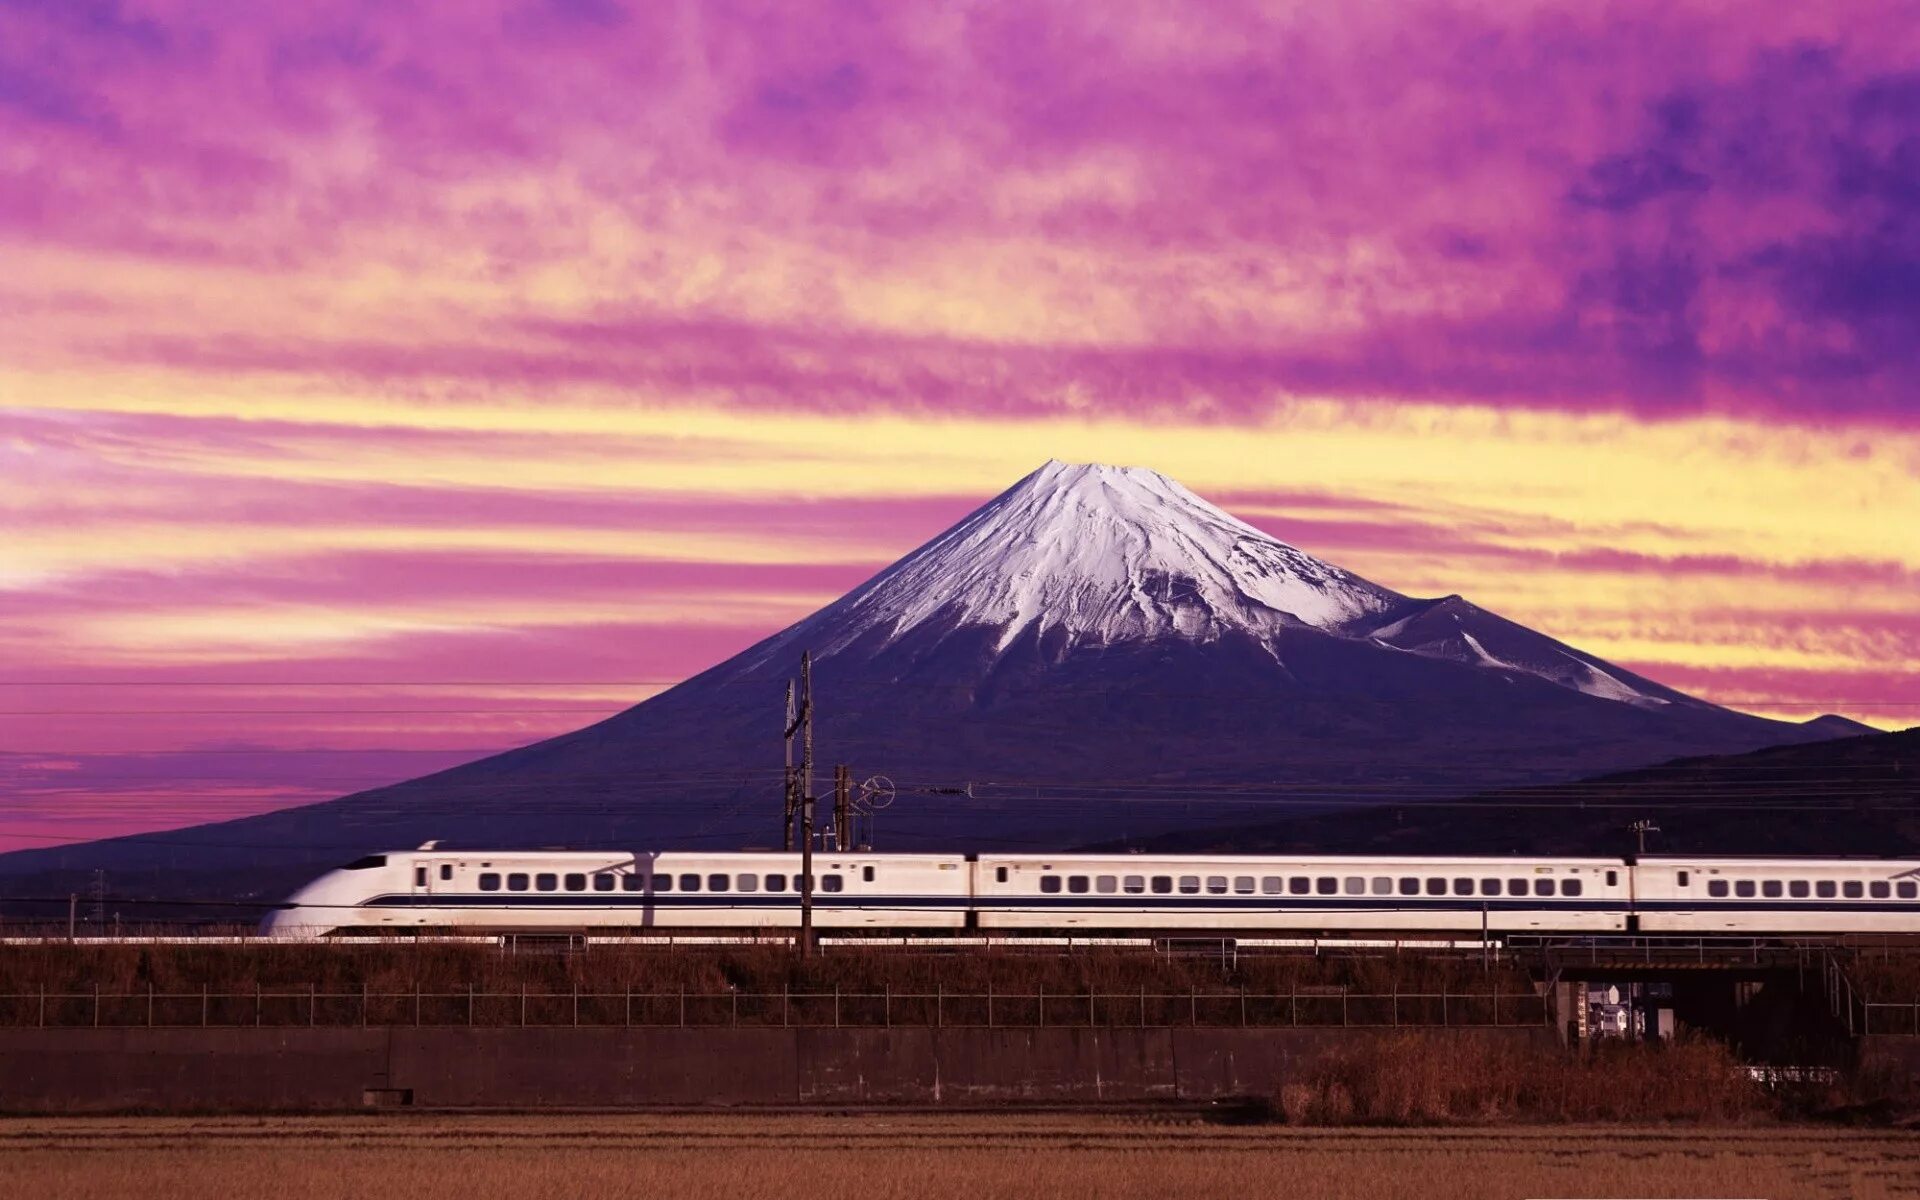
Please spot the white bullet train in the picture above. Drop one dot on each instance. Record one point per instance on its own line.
(585, 891)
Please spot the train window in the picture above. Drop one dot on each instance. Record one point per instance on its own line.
(546, 881)
(1299, 885)
(663, 883)
(1162, 884)
(1517, 887)
(1770, 888)
(746, 881)
(576, 882)
(1716, 887)
(1878, 889)
(1134, 884)
(1613, 878)
(1799, 889)
(1189, 885)
(999, 874)
(866, 874)
(1216, 885)
(1680, 878)
(1050, 884)
(832, 883)
(689, 883)
(1463, 887)
(1326, 885)
(1355, 885)
(1409, 886)
(419, 877)
(1852, 889)
(1907, 889)
(1382, 885)
(1077, 884)
(603, 882)
(490, 881)
(516, 882)
(1743, 888)
(1543, 887)
(776, 883)
(1571, 887)
(1826, 889)
(1490, 887)
(1106, 884)
(446, 870)
(362, 864)
(1271, 885)
(719, 883)
(1436, 887)
(632, 882)
(1243, 885)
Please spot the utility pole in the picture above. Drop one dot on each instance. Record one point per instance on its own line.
(1642, 828)
(73, 911)
(100, 899)
(806, 804)
(790, 794)
(843, 838)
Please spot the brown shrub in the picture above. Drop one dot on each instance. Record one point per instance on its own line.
(1429, 1078)
(404, 966)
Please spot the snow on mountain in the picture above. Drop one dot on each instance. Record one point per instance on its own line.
(1104, 555)
(1451, 628)
(1090, 555)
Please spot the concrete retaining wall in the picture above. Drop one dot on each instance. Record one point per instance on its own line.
(91, 1070)
(100, 1070)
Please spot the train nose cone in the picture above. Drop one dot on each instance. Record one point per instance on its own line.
(287, 920)
(299, 915)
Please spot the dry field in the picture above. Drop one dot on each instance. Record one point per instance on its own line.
(887, 1156)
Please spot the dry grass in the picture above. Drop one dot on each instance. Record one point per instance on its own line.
(219, 965)
(896, 1157)
(1415, 1078)
(1885, 975)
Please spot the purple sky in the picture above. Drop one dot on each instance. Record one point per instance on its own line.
(566, 347)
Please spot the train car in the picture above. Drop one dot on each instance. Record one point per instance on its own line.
(533, 891)
(1787, 896)
(1223, 893)
(583, 891)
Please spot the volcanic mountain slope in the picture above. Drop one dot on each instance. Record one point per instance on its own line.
(1851, 796)
(1097, 650)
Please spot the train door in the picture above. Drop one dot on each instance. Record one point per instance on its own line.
(444, 877)
(435, 876)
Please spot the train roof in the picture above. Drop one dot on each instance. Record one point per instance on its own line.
(563, 852)
(1328, 859)
(1763, 860)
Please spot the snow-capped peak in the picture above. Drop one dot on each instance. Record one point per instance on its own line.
(1102, 555)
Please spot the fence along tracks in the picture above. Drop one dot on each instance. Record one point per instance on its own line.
(280, 1007)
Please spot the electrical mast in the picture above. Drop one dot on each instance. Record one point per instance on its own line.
(1642, 828)
(806, 803)
(790, 793)
(843, 837)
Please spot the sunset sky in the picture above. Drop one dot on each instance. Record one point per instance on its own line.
(382, 383)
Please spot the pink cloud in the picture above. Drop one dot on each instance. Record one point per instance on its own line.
(1655, 207)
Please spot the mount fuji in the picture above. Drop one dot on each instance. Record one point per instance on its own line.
(1096, 653)
(1090, 559)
